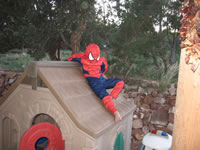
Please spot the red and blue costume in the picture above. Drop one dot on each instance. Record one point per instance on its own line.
(94, 67)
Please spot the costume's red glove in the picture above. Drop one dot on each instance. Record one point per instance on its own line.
(109, 104)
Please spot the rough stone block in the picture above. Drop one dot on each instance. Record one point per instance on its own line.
(159, 117)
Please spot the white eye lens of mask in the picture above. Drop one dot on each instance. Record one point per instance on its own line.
(91, 57)
(98, 58)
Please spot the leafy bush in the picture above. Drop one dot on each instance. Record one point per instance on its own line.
(168, 77)
(14, 62)
(17, 60)
(143, 68)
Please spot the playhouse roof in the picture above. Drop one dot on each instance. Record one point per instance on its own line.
(66, 82)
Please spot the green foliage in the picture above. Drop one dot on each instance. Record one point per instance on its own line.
(169, 77)
(99, 33)
(14, 62)
(37, 24)
(142, 43)
(143, 68)
(13, 19)
(147, 37)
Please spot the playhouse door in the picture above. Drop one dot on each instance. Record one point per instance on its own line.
(42, 136)
(119, 142)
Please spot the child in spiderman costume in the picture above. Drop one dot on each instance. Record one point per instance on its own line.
(94, 67)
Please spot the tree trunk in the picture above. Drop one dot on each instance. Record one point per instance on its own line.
(76, 36)
(172, 55)
(55, 46)
(172, 45)
(64, 39)
(52, 53)
(58, 54)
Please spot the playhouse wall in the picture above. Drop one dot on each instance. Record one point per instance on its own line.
(107, 141)
(24, 104)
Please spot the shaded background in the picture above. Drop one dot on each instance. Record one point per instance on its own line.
(139, 38)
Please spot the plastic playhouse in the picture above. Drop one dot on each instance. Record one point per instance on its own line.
(57, 93)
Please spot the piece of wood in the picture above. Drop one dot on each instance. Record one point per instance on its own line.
(32, 70)
(34, 83)
(57, 64)
(187, 116)
(32, 73)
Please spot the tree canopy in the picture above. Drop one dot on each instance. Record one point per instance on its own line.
(148, 29)
(44, 26)
(132, 30)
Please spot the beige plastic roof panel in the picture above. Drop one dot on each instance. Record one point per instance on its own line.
(66, 82)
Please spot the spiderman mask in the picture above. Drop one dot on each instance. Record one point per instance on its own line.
(92, 53)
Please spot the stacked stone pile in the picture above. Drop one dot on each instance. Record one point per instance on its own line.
(6, 80)
(154, 111)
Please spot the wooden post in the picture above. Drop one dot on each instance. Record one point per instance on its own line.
(187, 116)
(32, 73)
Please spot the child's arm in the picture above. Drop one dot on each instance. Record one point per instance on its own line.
(75, 57)
(104, 66)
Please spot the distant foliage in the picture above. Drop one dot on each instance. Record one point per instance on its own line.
(42, 26)
(139, 38)
(147, 37)
(14, 61)
(168, 77)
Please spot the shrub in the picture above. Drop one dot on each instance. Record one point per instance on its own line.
(168, 77)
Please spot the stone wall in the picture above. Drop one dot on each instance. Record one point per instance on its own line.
(155, 111)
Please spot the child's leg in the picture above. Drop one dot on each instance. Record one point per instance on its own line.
(118, 85)
(117, 89)
(117, 116)
(109, 104)
(98, 86)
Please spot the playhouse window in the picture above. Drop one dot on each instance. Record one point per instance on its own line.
(119, 142)
(9, 132)
(44, 118)
(41, 143)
